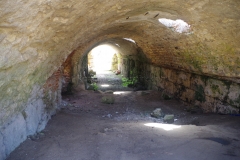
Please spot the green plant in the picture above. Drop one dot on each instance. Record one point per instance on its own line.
(95, 87)
(127, 82)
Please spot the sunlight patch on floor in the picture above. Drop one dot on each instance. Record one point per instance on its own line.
(166, 127)
(105, 85)
(119, 92)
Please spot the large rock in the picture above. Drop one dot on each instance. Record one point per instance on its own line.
(157, 113)
(109, 92)
(108, 99)
(166, 96)
(168, 118)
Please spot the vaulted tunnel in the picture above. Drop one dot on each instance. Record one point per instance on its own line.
(43, 45)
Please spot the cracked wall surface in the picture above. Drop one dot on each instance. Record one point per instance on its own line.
(37, 36)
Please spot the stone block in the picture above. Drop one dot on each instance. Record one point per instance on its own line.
(108, 99)
(208, 105)
(168, 118)
(216, 88)
(160, 83)
(197, 80)
(188, 95)
(169, 74)
(225, 109)
(170, 87)
(157, 113)
(43, 122)
(14, 133)
(33, 115)
(234, 95)
(164, 73)
(184, 79)
(172, 76)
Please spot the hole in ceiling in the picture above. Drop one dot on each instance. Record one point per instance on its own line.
(129, 39)
(176, 25)
(117, 45)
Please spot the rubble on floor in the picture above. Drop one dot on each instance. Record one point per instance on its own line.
(157, 113)
(169, 118)
(108, 99)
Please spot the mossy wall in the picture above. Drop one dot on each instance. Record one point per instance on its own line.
(211, 94)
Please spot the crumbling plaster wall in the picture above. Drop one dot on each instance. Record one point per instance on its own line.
(36, 37)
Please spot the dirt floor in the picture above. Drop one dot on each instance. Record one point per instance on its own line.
(87, 129)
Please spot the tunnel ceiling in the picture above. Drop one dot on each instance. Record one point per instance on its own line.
(123, 46)
(36, 36)
(44, 30)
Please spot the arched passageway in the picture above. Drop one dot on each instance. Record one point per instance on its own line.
(188, 50)
(113, 65)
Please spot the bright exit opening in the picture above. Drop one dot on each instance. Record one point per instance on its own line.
(102, 58)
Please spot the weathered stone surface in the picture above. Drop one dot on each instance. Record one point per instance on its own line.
(34, 116)
(216, 88)
(2, 148)
(33, 112)
(31, 120)
(234, 95)
(157, 113)
(187, 95)
(204, 91)
(170, 87)
(14, 134)
(225, 109)
(184, 79)
(169, 118)
(43, 122)
(208, 104)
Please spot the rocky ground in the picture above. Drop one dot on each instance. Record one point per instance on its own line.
(88, 129)
(108, 80)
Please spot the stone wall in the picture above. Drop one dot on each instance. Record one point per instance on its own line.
(41, 105)
(210, 93)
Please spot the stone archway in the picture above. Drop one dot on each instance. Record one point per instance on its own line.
(200, 67)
